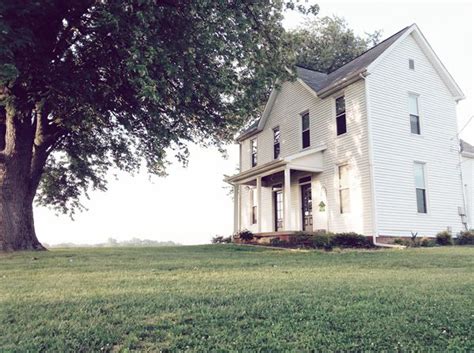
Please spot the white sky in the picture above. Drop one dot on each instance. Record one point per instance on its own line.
(191, 205)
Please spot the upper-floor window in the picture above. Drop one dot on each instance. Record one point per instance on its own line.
(276, 142)
(253, 148)
(341, 116)
(305, 130)
(420, 187)
(414, 114)
(411, 64)
(344, 190)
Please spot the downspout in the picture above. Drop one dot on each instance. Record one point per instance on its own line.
(363, 75)
(464, 218)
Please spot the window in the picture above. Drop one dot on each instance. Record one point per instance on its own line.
(254, 205)
(414, 115)
(420, 187)
(411, 64)
(341, 116)
(253, 147)
(344, 191)
(276, 142)
(305, 129)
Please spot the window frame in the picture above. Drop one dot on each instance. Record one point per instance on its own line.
(344, 114)
(410, 62)
(341, 189)
(424, 188)
(253, 152)
(417, 115)
(305, 132)
(276, 142)
(253, 208)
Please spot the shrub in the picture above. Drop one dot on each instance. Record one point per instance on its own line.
(466, 238)
(302, 238)
(399, 241)
(219, 239)
(245, 235)
(278, 242)
(444, 238)
(426, 242)
(322, 240)
(350, 240)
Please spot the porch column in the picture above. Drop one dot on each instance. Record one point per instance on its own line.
(259, 204)
(236, 208)
(287, 200)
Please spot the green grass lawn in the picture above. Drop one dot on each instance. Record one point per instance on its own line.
(227, 297)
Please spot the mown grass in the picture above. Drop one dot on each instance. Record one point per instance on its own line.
(234, 298)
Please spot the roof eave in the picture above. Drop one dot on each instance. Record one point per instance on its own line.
(356, 76)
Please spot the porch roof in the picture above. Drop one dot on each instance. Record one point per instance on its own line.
(303, 161)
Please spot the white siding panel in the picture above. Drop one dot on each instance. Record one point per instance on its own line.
(468, 180)
(395, 149)
(352, 148)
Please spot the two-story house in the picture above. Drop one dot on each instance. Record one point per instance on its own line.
(370, 147)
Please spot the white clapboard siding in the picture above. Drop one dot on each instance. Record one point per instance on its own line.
(395, 149)
(352, 148)
(468, 181)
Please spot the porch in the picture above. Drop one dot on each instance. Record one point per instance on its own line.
(277, 197)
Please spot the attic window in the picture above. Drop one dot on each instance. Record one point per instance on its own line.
(411, 64)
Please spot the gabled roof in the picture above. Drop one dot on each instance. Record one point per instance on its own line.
(323, 85)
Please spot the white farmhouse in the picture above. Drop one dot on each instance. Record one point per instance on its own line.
(467, 162)
(369, 148)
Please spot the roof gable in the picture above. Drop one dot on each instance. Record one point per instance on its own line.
(430, 54)
(323, 85)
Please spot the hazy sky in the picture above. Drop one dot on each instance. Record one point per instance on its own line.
(191, 205)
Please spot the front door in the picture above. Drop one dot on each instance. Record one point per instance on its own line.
(278, 207)
(307, 207)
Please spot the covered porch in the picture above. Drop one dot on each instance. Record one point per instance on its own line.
(277, 197)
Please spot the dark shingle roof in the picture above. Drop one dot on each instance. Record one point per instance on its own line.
(466, 147)
(319, 81)
(314, 79)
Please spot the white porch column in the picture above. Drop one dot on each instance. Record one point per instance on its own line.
(259, 204)
(236, 208)
(287, 200)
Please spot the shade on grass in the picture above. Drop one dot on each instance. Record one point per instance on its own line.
(226, 297)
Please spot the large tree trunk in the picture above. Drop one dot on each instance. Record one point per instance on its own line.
(18, 184)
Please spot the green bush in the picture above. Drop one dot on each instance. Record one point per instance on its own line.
(466, 238)
(245, 235)
(322, 240)
(350, 240)
(278, 242)
(444, 238)
(302, 238)
(427, 242)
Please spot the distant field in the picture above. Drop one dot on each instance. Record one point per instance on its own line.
(226, 297)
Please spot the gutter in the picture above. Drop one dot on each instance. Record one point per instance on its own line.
(341, 84)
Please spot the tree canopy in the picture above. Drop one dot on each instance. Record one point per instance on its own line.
(88, 85)
(325, 44)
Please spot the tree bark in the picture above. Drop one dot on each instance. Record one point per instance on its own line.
(17, 187)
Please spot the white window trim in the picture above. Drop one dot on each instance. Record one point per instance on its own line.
(338, 188)
(251, 153)
(427, 194)
(420, 114)
(334, 115)
(300, 124)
